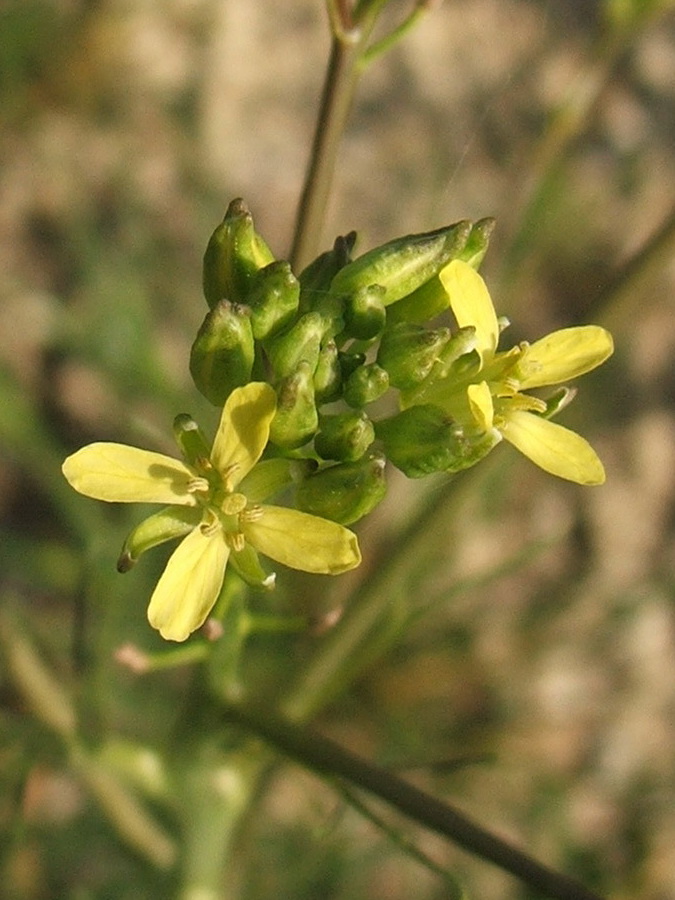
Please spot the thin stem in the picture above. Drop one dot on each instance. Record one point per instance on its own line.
(328, 758)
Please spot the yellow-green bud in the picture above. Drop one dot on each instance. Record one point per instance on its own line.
(403, 264)
(408, 352)
(273, 299)
(296, 419)
(222, 355)
(344, 492)
(328, 374)
(424, 439)
(317, 276)
(233, 255)
(365, 385)
(300, 342)
(344, 437)
(364, 313)
(477, 243)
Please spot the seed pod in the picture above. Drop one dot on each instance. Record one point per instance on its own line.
(166, 525)
(408, 352)
(300, 342)
(344, 492)
(424, 439)
(364, 312)
(222, 355)
(402, 265)
(296, 419)
(273, 299)
(344, 437)
(234, 254)
(365, 385)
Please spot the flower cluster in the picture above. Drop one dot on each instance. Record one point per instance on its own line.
(299, 365)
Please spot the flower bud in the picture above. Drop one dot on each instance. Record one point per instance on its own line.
(424, 439)
(317, 276)
(273, 299)
(344, 492)
(344, 437)
(408, 352)
(296, 419)
(233, 255)
(328, 374)
(364, 313)
(299, 343)
(403, 264)
(365, 385)
(222, 355)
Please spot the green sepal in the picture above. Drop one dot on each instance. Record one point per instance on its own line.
(273, 299)
(234, 254)
(364, 313)
(477, 243)
(222, 355)
(428, 301)
(365, 385)
(191, 440)
(165, 525)
(454, 361)
(344, 437)
(403, 264)
(267, 478)
(246, 564)
(424, 439)
(296, 418)
(299, 343)
(344, 492)
(408, 352)
(328, 374)
(561, 398)
(317, 276)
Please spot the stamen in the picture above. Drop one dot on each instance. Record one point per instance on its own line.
(252, 514)
(198, 485)
(233, 504)
(235, 540)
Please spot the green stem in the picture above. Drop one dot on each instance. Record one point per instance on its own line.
(328, 758)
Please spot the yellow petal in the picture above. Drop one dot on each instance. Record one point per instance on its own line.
(563, 355)
(303, 541)
(121, 474)
(480, 403)
(555, 449)
(244, 430)
(189, 586)
(471, 304)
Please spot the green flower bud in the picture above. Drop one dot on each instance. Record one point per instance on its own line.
(233, 255)
(273, 299)
(296, 419)
(424, 439)
(328, 374)
(365, 385)
(453, 362)
(403, 264)
(344, 492)
(222, 355)
(477, 243)
(299, 343)
(317, 276)
(166, 525)
(344, 437)
(408, 352)
(349, 362)
(364, 313)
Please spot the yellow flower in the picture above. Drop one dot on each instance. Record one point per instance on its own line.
(216, 521)
(487, 397)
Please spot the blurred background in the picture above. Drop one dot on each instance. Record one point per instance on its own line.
(538, 690)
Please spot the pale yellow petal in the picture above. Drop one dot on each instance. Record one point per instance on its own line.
(189, 586)
(121, 474)
(471, 304)
(303, 541)
(555, 449)
(244, 430)
(480, 403)
(563, 355)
